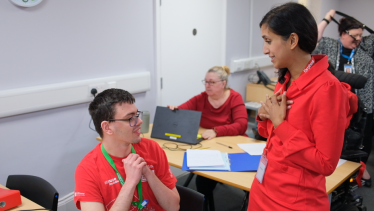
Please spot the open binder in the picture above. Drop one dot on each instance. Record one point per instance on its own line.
(238, 162)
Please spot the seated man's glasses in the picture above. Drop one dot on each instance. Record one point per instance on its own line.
(132, 120)
(210, 82)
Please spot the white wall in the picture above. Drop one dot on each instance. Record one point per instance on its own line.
(61, 41)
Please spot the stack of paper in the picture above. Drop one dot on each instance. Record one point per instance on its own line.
(341, 161)
(238, 162)
(207, 160)
(253, 149)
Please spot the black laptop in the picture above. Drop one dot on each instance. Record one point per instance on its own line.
(176, 125)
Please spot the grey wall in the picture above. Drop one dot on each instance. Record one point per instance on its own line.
(238, 29)
(237, 40)
(332, 29)
(260, 8)
(362, 10)
(61, 41)
(239, 33)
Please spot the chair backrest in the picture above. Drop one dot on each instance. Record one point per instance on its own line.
(190, 199)
(36, 189)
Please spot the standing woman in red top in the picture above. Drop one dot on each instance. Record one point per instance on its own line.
(305, 141)
(223, 114)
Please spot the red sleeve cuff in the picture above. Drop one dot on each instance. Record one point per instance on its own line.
(260, 121)
(216, 130)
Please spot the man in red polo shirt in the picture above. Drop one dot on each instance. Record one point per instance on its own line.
(124, 171)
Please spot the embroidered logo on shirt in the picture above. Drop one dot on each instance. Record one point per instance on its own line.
(309, 65)
(171, 173)
(79, 194)
(111, 181)
(144, 179)
(152, 169)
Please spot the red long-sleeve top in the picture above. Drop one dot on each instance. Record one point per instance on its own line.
(230, 119)
(306, 146)
(353, 103)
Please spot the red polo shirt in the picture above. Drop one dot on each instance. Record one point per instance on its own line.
(96, 180)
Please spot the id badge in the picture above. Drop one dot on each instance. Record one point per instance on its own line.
(261, 168)
(348, 68)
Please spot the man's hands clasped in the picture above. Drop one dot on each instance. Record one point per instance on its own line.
(134, 166)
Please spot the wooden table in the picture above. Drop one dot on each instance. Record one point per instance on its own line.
(27, 204)
(243, 180)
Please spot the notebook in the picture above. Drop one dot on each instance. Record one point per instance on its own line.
(176, 125)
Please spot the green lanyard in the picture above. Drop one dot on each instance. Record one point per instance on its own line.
(139, 204)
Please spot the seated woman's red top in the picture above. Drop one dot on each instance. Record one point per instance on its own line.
(230, 119)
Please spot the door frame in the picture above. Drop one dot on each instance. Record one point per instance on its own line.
(157, 22)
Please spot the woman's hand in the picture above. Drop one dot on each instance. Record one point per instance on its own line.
(276, 111)
(209, 134)
(330, 14)
(172, 107)
(262, 113)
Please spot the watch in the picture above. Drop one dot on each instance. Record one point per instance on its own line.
(26, 3)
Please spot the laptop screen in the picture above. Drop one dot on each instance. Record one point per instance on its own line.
(176, 125)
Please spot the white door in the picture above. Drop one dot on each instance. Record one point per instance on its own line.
(184, 58)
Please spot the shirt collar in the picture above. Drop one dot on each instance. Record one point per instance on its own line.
(321, 64)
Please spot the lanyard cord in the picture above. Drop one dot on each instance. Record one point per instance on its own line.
(345, 56)
(111, 162)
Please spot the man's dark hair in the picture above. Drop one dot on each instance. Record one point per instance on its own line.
(292, 18)
(347, 24)
(102, 108)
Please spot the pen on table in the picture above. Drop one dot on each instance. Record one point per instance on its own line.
(224, 145)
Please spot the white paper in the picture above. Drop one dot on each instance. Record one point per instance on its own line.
(225, 157)
(253, 149)
(341, 161)
(198, 157)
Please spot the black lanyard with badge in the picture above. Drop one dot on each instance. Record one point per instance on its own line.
(120, 179)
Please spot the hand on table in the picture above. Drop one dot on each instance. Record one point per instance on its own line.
(209, 134)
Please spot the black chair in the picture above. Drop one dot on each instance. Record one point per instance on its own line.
(34, 188)
(190, 199)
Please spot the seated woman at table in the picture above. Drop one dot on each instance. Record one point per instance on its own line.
(223, 114)
(223, 110)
